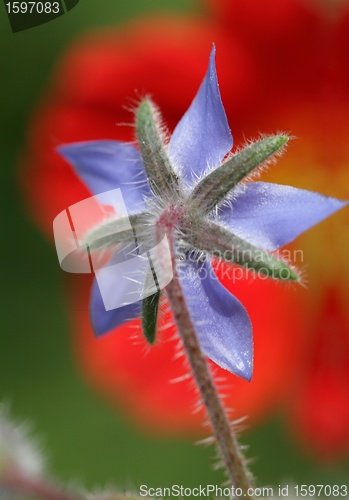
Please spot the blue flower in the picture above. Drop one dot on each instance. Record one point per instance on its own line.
(191, 175)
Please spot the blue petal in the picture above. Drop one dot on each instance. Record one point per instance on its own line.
(223, 327)
(202, 137)
(104, 321)
(271, 215)
(119, 287)
(107, 165)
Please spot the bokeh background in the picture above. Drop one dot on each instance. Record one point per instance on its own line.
(86, 439)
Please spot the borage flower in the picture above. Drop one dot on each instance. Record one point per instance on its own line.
(191, 190)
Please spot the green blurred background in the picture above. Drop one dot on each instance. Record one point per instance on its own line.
(84, 439)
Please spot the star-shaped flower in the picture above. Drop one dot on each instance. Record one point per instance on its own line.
(189, 185)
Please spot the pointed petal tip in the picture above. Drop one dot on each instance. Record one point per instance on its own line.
(330, 206)
(71, 151)
(242, 368)
(339, 203)
(240, 365)
(98, 324)
(212, 54)
(246, 372)
(97, 331)
(65, 150)
(202, 137)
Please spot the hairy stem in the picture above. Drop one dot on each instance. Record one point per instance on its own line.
(227, 442)
(215, 186)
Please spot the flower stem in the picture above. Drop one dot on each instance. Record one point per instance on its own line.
(227, 442)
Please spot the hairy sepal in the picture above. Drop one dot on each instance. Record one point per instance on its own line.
(214, 188)
(161, 176)
(224, 245)
(113, 231)
(150, 308)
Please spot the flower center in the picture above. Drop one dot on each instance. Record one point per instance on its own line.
(171, 218)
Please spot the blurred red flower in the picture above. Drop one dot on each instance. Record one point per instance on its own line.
(282, 66)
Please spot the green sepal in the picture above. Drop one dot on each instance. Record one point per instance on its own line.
(114, 231)
(222, 244)
(161, 176)
(215, 186)
(150, 307)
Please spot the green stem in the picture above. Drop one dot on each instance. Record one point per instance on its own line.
(227, 442)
